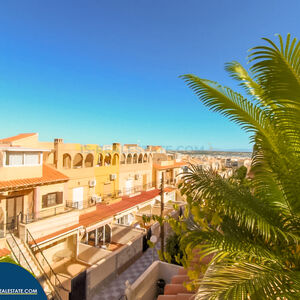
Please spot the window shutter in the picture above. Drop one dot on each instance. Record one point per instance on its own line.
(44, 201)
(59, 199)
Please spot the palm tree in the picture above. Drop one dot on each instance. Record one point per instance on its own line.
(252, 229)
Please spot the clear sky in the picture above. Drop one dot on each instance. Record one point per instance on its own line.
(99, 71)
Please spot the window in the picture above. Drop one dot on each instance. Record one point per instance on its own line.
(123, 220)
(52, 199)
(16, 158)
(32, 158)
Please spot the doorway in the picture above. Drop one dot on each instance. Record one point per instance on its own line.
(14, 206)
(78, 197)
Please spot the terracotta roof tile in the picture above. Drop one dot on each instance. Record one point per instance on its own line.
(169, 189)
(16, 137)
(4, 252)
(104, 211)
(50, 175)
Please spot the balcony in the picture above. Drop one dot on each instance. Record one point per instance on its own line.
(137, 189)
(43, 214)
(144, 288)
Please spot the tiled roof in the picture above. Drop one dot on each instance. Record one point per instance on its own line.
(169, 189)
(104, 211)
(175, 165)
(50, 175)
(55, 234)
(4, 252)
(16, 137)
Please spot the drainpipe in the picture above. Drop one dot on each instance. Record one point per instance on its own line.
(104, 235)
(96, 237)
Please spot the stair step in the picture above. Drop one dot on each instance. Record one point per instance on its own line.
(29, 263)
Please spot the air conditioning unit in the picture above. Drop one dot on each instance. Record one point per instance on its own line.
(92, 183)
(113, 176)
(96, 199)
(136, 176)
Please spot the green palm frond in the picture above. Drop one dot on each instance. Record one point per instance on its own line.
(277, 70)
(252, 227)
(239, 73)
(239, 280)
(235, 202)
(229, 103)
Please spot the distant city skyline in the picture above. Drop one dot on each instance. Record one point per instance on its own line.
(107, 71)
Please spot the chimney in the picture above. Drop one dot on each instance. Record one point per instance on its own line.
(58, 152)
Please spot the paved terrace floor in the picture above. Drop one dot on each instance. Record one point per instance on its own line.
(115, 289)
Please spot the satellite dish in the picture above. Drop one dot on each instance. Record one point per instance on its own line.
(153, 239)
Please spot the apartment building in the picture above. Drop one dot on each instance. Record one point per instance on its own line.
(69, 206)
(135, 169)
(171, 164)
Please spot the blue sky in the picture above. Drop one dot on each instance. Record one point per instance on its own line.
(103, 71)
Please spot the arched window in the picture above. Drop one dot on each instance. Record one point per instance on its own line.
(145, 158)
(107, 160)
(67, 161)
(115, 159)
(89, 160)
(123, 159)
(150, 158)
(50, 158)
(78, 161)
(100, 160)
(140, 158)
(135, 158)
(129, 159)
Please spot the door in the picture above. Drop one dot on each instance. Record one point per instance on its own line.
(129, 186)
(144, 181)
(14, 206)
(78, 197)
(107, 190)
(10, 210)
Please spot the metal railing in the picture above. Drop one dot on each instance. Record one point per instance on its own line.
(18, 257)
(138, 188)
(52, 275)
(42, 278)
(36, 216)
(109, 196)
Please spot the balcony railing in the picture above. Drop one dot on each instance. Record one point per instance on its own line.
(36, 216)
(137, 189)
(92, 202)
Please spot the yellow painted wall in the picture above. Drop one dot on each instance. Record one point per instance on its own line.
(102, 176)
(128, 171)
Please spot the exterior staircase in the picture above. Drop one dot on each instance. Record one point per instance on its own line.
(25, 258)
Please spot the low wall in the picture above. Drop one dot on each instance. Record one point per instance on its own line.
(90, 254)
(100, 273)
(49, 225)
(107, 268)
(144, 288)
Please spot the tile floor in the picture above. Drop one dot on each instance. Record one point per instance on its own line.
(115, 289)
